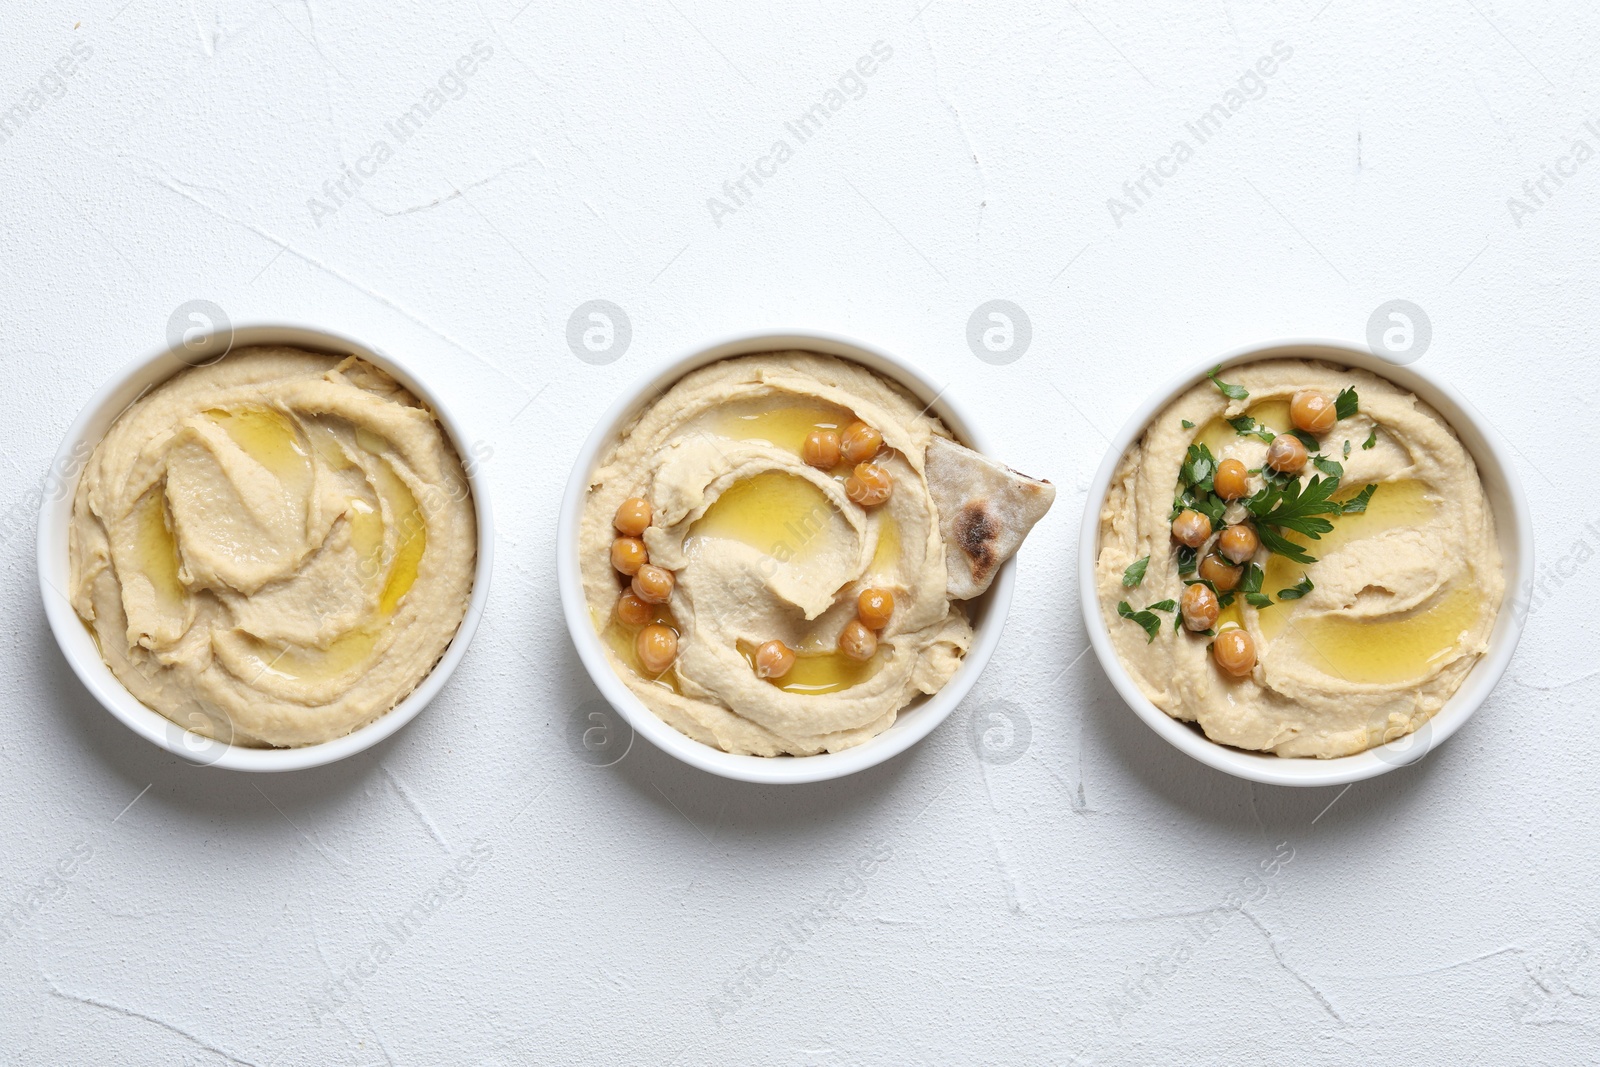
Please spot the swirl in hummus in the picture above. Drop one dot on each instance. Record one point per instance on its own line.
(766, 547)
(275, 549)
(1390, 617)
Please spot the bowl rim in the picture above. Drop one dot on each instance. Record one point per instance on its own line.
(88, 429)
(780, 770)
(1514, 530)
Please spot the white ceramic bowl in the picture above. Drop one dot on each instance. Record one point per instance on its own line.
(1513, 524)
(55, 515)
(987, 612)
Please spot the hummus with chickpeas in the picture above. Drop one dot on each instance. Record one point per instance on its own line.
(275, 549)
(1299, 558)
(776, 552)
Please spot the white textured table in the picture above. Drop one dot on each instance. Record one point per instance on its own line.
(1096, 899)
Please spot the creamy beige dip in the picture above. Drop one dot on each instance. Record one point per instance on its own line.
(1404, 598)
(273, 550)
(764, 547)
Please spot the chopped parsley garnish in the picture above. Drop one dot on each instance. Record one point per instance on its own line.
(1347, 403)
(1272, 477)
(1232, 392)
(1283, 506)
(1147, 619)
(1135, 572)
(1250, 586)
(1358, 503)
(1187, 425)
(1300, 589)
(1245, 426)
(1163, 605)
(1199, 465)
(1208, 504)
(1196, 490)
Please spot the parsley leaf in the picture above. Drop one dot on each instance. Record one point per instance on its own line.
(1298, 507)
(1358, 503)
(1289, 506)
(1251, 582)
(1188, 560)
(1301, 588)
(1199, 467)
(1163, 605)
(1147, 619)
(1347, 450)
(1245, 426)
(1210, 504)
(1187, 425)
(1311, 443)
(1258, 600)
(1372, 439)
(1135, 572)
(1329, 467)
(1232, 392)
(1281, 545)
(1196, 477)
(1347, 403)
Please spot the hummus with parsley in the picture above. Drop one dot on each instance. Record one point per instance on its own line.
(1362, 640)
(275, 549)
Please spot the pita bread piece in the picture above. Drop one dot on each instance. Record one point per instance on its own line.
(985, 510)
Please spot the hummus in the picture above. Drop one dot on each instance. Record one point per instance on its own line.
(1402, 596)
(275, 549)
(765, 547)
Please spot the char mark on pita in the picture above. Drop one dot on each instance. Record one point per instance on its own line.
(985, 510)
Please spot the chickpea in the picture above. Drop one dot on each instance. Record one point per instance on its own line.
(1239, 543)
(1235, 652)
(773, 660)
(1191, 528)
(860, 442)
(653, 584)
(1286, 454)
(821, 449)
(1313, 412)
(1231, 481)
(632, 611)
(1220, 573)
(628, 555)
(657, 647)
(1200, 608)
(873, 608)
(633, 517)
(856, 641)
(868, 485)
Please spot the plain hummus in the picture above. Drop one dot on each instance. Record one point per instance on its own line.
(765, 547)
(1404, 596)
(273, 550)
